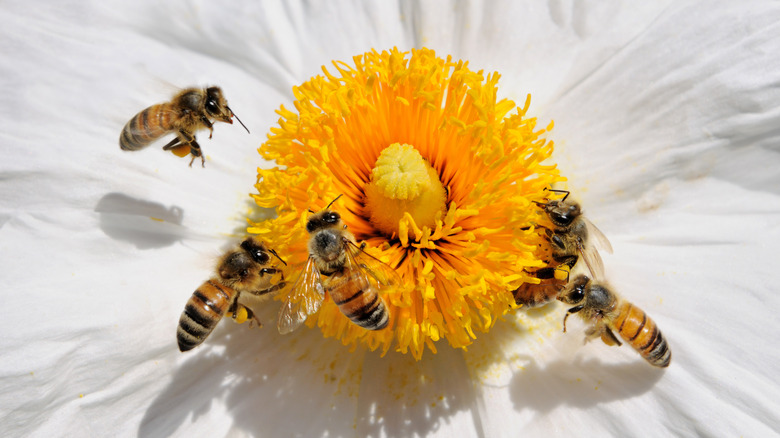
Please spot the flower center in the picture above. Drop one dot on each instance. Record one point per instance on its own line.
(440, 180)
(402, 182)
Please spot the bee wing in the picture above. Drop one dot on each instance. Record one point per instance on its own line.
(592, 258)
(590, 252)
(368, 264)
(596, 238)
(305, 299)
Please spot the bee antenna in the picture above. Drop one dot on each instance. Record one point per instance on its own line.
(331, 202)
(277, 256)
(560, 191)
(239, 120)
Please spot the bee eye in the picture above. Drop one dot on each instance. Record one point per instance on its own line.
(260, 257)
(211, 106)
(244, 272)
(576, 296)
(561, 218)
(332, 218)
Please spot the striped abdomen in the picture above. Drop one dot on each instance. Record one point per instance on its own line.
(203, 311)
(531, 295)
(358, 300)
(636, 328)
(147, 126)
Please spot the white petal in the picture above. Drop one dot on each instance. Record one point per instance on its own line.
(669, 145)
(664, 123)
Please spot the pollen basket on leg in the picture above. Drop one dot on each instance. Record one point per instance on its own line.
(439, 178)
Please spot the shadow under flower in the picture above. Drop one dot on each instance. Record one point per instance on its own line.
(580, 383)
(304, 385)
(420, 397)
(145, 224)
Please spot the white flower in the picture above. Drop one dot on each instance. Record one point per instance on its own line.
(665, 123)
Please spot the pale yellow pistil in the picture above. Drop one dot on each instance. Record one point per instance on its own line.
(402, 181)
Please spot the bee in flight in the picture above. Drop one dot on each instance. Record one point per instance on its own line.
(189, 111)
(336, 265)
(574, 236)
(244, 269)
(596, 303)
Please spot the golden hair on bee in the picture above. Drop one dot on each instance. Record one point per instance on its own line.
(247, 268)
(189, 111)
(608, 313)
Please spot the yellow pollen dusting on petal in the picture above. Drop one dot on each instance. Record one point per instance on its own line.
(439, 178)
(403, 184)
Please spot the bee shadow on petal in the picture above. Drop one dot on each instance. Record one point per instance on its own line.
(302, 384)
(580, 383)
(145, 224)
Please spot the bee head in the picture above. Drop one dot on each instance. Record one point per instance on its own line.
(256, 250)
(561, 213)
(236, 267)
(216, 105)
(575, 291)
(324, 219)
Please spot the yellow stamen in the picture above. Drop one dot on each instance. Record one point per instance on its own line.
(403, 183)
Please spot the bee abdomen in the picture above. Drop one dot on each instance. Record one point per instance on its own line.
(532, 295)
(146, 127)
(361, 304)
(203, 311)
(636, 328)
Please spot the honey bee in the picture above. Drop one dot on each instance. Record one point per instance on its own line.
(608, 312)
(244, 269)
(190, 110)
(574, 236)
(336, 265)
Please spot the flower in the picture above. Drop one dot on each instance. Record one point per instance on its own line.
(389, 134)
(665, 126)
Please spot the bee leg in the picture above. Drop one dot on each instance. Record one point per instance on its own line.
(568, 260)
(255, 319)
(195, 151)
(572, 310)
(545, 273)
(172, 144)
(232, 311)
(208, 124)
(609, 338)
(271, 271)
(241, 313)
(556, 240)
(274, 288)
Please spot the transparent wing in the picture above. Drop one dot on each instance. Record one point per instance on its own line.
(592, 258)
(380, 271)
(305, 299)
(596, 238)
